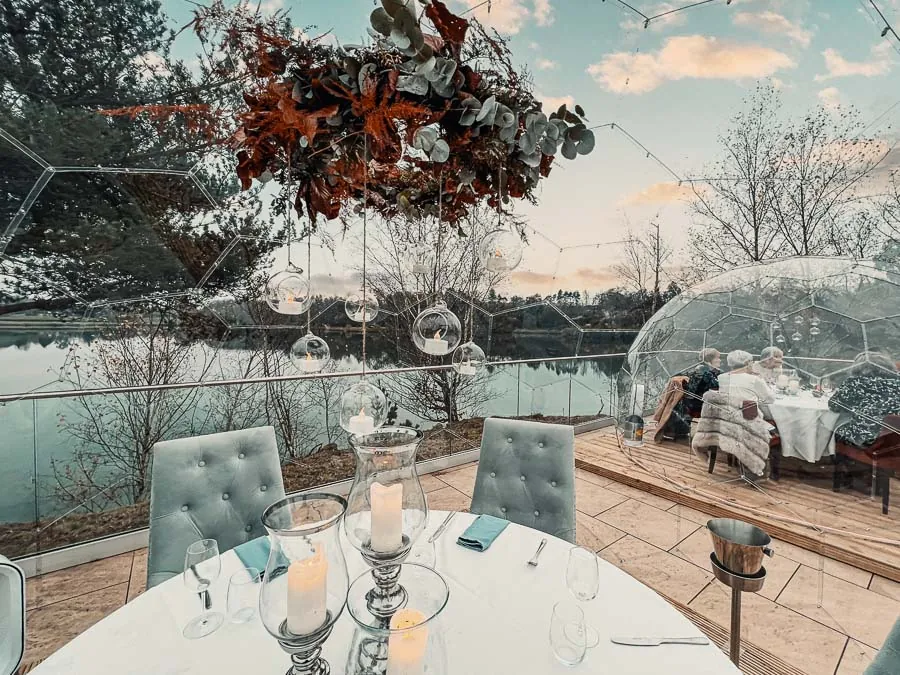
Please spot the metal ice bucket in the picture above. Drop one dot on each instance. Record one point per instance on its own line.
(739, 546)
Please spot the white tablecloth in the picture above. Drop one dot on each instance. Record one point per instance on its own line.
(496, 622)
(806, 426)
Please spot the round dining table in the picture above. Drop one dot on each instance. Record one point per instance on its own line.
(496, 621)
(805, 424)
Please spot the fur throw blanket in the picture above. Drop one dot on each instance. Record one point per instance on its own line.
(724, 427)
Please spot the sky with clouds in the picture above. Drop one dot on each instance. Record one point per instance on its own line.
(669, 87)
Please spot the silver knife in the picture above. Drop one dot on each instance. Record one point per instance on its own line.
(438, 532)
(656, 641)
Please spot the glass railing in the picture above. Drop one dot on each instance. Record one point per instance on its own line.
(78, 462)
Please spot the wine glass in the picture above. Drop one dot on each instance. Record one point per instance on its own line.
(827, 386)
(201, 567)
(567, 633)
(422, 553)
(583, 580)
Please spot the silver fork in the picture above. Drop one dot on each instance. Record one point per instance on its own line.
(534, 559)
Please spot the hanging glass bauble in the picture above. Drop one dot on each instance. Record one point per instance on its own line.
(798, 320)
(469, 359)
(363, 408)
(779, 339)
(814, 321)
(287, 291)
(310, 354)
(500, 251)
(362, 305)
(776, 327)
(437, 330)
(422, 259)
(796, 337)
(814, 330)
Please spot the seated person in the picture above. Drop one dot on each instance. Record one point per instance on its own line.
(871, 391)
(771, 359)
(683, 397)
(741, 384)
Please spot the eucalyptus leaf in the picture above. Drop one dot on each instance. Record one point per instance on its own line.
(413, 84)
(297, 91)
(575, 133)
(400, 39)
(561, 113)
(441, 151)
(405, 20)
(471, 107)
(391, 7)
(443, 90)
(548, 146)
(527, 142)
(552, 132)
(531, 159)
(586, 145)
(304, 142)
(381, 21)
(488, 111)
(508, 134)
(425, 138)
(426, 67)
(335, 120)
(569, 151)
(579, 110)
(367, 72)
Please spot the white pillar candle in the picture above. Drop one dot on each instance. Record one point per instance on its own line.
(307, 605)
(436, 345)
(309, 364)
(361, 424)
(496, 263)
(406, 650)
(387, 517)
(782, 381)
(466, 368)
(794, 386)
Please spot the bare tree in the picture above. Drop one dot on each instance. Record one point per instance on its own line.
(447, 262)
(733, 204)
(645, 257)
(824, 160)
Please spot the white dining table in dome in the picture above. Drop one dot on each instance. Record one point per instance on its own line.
(805, 424)
(496, 621)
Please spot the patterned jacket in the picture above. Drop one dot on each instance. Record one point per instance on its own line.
(867, 400)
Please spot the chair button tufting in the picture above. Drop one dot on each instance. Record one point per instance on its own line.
(263, 488)
(184, 508)
(541, 445)
(201, 463)
(509, 440)
(226, 497)
(552, 483)
(493, 474)
(248, 528)
(502, 509)
(522, 477)
(241, 456)
(537, 513)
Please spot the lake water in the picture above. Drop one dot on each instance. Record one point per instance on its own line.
(39, 433)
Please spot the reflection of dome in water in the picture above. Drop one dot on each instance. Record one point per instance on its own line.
(822, 312)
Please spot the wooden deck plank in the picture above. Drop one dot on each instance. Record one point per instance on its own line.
(685, 481)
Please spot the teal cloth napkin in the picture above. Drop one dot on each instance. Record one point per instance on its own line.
(254, 553)
(481, 534)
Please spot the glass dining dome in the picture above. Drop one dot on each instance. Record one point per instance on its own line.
(821, 312)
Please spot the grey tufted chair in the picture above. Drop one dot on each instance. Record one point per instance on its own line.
(12, 616)
(214, 486)
(526, 474)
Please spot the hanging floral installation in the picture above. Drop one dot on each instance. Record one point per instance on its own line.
(432, 93)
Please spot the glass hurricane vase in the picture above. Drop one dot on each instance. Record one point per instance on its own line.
(410, 642)
(304, 589)
(386, 510)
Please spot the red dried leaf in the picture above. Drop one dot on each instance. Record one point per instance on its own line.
(451, 27)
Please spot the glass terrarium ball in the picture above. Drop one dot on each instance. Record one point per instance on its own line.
(500, 251)
(469, 359)
(310, 354)
(437, 331)
(363, 408)
(362, 305)
(287, 291)
(796, 337)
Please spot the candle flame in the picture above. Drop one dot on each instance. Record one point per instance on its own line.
(362, 411)
(308, 357)
(437, 335)
(498, 253)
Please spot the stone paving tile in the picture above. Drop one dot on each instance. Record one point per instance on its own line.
(51, 626)
(641, 496)
(856, 659)
(138, 582)
(430, 482)
(688, 513)
(697, 547)
(811, 559)
(449, 499)
(592, 477)
(885, 587)
(661, 571)
(857, 612)
(462, 478)
(813, 648)
(643, 521)
(78, 580)
(593, 499)
(594, 534)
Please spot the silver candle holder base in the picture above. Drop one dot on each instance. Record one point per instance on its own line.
(306, 650)
(388, 596)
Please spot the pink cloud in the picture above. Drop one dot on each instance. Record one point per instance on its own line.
(773, 23)
(659, 193)
(690, 56)
(838, 66)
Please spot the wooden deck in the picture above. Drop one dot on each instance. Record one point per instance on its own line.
(800, 508)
